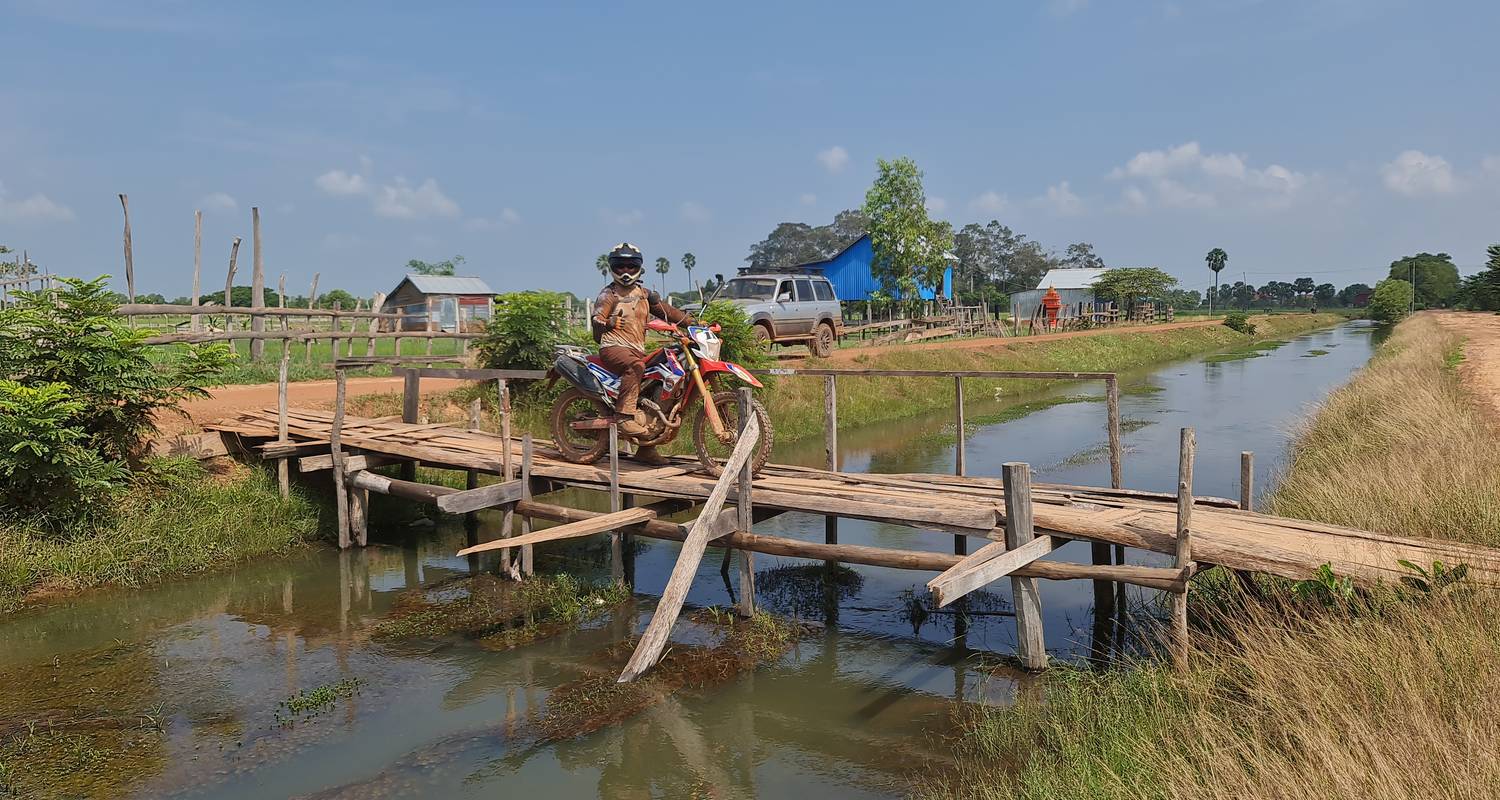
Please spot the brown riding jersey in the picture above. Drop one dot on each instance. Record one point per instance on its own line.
(620, 316)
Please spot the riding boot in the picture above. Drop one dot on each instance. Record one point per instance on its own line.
(646, 454)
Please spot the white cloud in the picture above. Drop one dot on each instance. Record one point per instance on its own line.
(834, 158)
(1184, 176)
(1063, 8)
(695, 212)
(219, 201)
(621, 219)
(1415, 173)
(936, 205)
(809, 199)
(1061, 200)
(403, 201)
(1490, 165)
(36, 208)
(990, 202)
(507, 218)
(340, 183)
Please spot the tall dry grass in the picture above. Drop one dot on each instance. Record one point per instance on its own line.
(1387, 700)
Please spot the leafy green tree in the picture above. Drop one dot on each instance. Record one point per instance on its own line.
(1304, 286)
(1436, 277)
(688, 262)
(1482, 290)
(345, 300)
(525, 330)
(239, 294)
(1349, 295)
(1183, 298)
(1128, 286)
(908, 246)
(1082, 256)
(663, 266)
(735, 331)
(1324, 294)
(1216, 259)
(445, 267)
(1391, 300)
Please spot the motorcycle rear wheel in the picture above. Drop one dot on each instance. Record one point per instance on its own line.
(579, 447)
(713, 453)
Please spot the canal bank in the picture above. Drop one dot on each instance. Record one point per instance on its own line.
(851, 711)
(1313, 691)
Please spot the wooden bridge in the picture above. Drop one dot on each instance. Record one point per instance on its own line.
(1017, 522)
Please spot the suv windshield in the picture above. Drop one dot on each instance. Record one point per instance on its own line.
(750, 289)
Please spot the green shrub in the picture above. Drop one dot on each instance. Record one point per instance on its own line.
(526, 328)
(740, 345)
(46, 465)
(1239, 321)
(1391, 300)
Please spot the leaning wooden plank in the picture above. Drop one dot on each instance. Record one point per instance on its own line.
(496, 494)
(572, 530)
(410, 490)
(352, 463)
(961, 580)
(651, 644)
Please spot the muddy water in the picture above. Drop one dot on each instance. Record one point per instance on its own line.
(194, 671)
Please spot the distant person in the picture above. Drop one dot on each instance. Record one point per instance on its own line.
(619, 323)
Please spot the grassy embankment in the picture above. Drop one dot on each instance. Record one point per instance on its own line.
(1291, 699)
(189, 522)
(796, 404)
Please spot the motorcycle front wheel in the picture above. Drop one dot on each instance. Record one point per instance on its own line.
(712, 452)
(579, 447)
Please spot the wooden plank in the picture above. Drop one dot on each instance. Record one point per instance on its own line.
(357, 463)
(340, 492)
(1116, 463)
(528, 558)
(649, 649)
(1030, 643)
(395, 487)
(483, 374)
(496, 494)
(152, 309)
(998, 562)
(1187, 447)
(572, 530)
(283, 480)
(744, 516)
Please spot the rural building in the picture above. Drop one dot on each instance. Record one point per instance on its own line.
(1074, 286)
(440, 302)
(849, 272)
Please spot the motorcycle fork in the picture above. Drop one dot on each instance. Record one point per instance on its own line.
(710, 408)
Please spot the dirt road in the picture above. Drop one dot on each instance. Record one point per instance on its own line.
(227, 400)
(1480, 369)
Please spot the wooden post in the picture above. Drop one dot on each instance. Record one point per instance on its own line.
(257, 285)
(471, 478)
(1112, 399)
(375, 304)
(831, 446)
(1100, 551)
(197, 325)
(508, 562)
(335, 436)
(528, 566)
(283, 479)
(1031, 644)
(129, 257)
(411, 406)
(333, 352)
(1247, 480)
(616, 546)
(960, 541)
(742, 503)
(281, 303)
(234, 255)
(1184, 559)
(312, 303)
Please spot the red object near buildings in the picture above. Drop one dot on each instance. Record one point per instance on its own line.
(1051, 303)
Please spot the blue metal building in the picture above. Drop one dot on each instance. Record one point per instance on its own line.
(850, 274)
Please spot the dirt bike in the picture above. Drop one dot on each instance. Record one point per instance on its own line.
(678, 377)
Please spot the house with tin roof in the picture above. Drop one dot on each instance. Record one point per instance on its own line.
(452, 303)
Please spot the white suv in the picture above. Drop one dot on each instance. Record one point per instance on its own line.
(789, 308)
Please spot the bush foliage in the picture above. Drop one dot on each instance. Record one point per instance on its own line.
(1239, 321)
(740, 345)
(1391, 300)
(526, 328)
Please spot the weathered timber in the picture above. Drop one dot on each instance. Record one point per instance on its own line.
(153, 309)
(283, 480)
(335, 446)
(353, 463)
(257, 285)
(1187, 447)
(197, 321)
(528, 558)
(745, 514)
(1030, 645)
(408, 490)
(573, 530)
(831, 447)
(496, 494)
(655, 638)
(990, 563)
(294, 336)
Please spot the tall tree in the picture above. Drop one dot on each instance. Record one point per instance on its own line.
(1436, 278)
(688, 262)
(602, 263)
(908, 246)
(1324, 294)
(662, 266)
(1081, 255)
(1131, 285)
(1391, 300)
(1351, 295)
(447, 266)
(1216, 259)
(1304, 286)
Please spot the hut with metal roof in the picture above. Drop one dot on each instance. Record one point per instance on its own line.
(440, 302)
(1075, 286)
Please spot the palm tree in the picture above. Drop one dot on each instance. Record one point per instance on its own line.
(602, 263)
(1216, 260)
(688, 262)
(662, 265)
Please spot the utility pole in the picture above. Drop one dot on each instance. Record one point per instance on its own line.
(1412, 265)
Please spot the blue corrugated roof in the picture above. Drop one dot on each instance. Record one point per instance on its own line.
(849, 272)
(449, 284)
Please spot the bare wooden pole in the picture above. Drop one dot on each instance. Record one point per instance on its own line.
(960, 542)
(283, 480)
(528, 565)
(335, 447)
(411, 407)
(1245, 578)
(129, 256)
(1020, 529)
(375, 305)
(746, 520)
(471, 478)
(281, 303)
(234, 256)
(257, 285)
(1187, 446)
(197, 324)
(831, 446)
(312, 303)
(508, 563)
(333, 352)
(1112, 399)
(616, 546)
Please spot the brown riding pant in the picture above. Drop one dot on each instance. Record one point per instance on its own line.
(630, 365)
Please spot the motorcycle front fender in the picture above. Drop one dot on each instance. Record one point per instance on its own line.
(710, 367)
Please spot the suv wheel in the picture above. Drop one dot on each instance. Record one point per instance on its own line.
(823, 341)
(762, 335)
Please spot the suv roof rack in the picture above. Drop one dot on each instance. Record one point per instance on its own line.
(798, 270)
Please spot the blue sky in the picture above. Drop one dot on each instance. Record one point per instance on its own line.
(1319, 137)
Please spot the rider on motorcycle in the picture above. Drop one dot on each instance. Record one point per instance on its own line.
(619, 324)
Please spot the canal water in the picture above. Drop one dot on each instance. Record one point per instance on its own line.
(856, 709)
